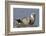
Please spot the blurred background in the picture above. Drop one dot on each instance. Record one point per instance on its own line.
(2, 17)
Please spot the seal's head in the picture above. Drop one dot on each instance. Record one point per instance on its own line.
(33, 15)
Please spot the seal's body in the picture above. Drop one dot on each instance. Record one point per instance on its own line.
(26, 20)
